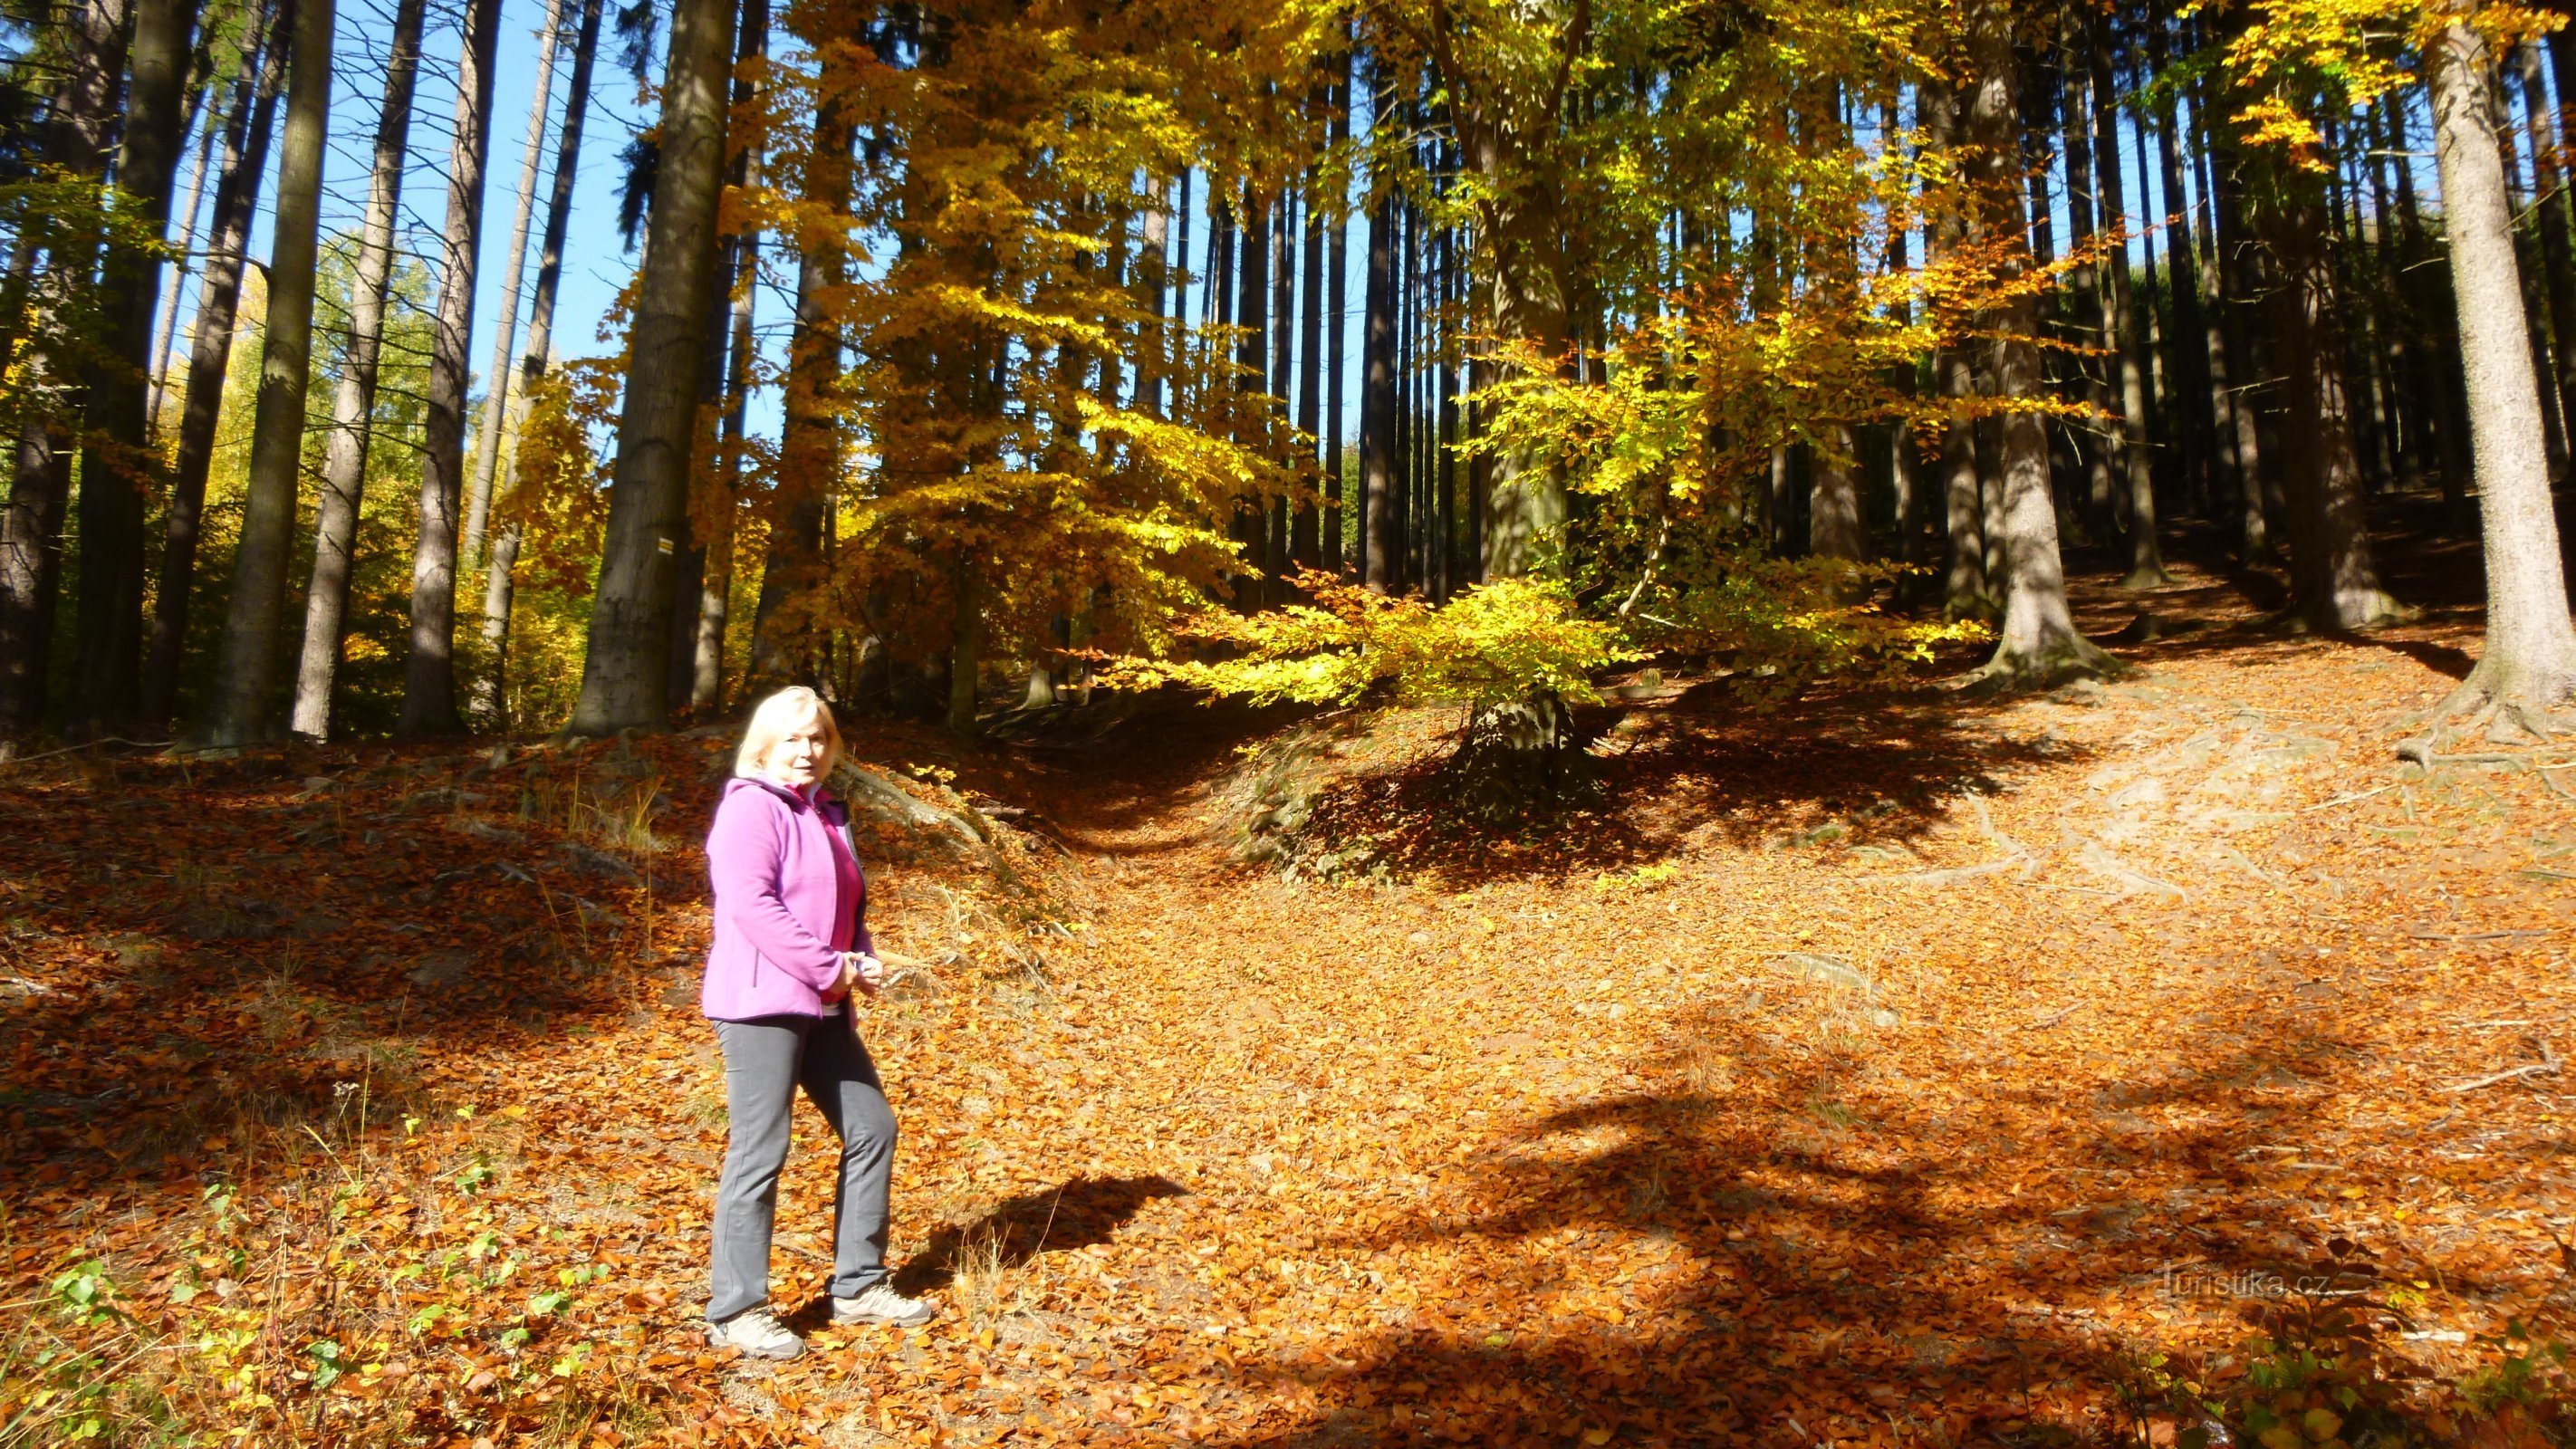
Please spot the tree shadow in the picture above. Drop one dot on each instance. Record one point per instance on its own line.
(206, 948)
(2442, 659)
(1068, 1217)
(1759, 1247)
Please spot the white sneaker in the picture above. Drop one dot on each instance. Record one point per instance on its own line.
(881, 1304)
(758, 1334)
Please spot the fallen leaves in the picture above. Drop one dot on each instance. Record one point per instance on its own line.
(387, 1098)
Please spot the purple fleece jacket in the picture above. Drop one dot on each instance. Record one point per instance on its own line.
(789, 899)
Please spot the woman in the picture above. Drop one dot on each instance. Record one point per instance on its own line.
(791, 944)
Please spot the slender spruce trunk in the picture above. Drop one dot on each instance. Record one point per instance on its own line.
(1305, 531)
(2333, 575)
(2146, 560)
(2190, 394)
(1964, 593)
(429, 674)
(784, 623)
(626, 672)
(499, 582)
(1336, 216)
(80, 119)
(210, 350)
(165, 327)
(2083, 310)
(240, 709)
(2557, 259)
(505, 332)
(705, 607)
(1252, 364)
(120, 469)
(353, 404)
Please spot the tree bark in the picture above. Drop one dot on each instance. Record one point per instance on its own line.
(2038, 645)
(810, 436)
(625, 679)
(239, 711)
(210, 350)
(119, 467)
(429, 674)
(1252, 366)
(499, 586)
(2146, 560)
(80, 119)
(1381, 540)
(505, 331)
(353, 404)
(1305, 530)
(739, 277)
(966, 645)
(2529, 664)
(165, 325)
(2333, 577)
(1337, 216)
(1964, 592)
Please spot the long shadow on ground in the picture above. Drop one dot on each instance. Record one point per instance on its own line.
(1764, 1247)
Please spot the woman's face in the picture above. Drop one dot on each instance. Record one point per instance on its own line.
(797, 760)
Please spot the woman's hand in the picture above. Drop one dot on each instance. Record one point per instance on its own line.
(860, 972)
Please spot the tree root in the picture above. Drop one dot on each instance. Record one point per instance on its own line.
(2060, 661)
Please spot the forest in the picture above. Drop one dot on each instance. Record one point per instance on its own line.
(1660, 722)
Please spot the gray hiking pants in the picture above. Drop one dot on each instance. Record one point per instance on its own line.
(765, 1061)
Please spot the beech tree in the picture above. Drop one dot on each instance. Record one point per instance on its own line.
(2527, 671)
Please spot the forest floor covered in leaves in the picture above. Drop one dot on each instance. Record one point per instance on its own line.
(1893, 1067)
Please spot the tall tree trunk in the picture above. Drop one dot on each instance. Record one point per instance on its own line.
(505, 332)
(353, 405)
(2190, 394)
(429, 674)
(1337, 216)
(2529, 665)
(210, 351)
(499, 586)
(165, 326)
(2146, 559)
(1283, 338)
(809, 449)
(625, 678)
(239, 711)
(1152, 282)
(119, 467)
(966, 644)
(739, 278)
(1252, 362)
(1964, 593)
(2336, 583)
(2084, 311)
(1305, 533)
(80, 119)
(2558, 261)
(2038, 645)
(2239, 266)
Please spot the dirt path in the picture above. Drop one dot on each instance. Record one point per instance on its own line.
(1889, 1069)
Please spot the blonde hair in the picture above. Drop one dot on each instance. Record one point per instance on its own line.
(781, 714)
